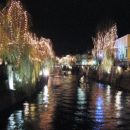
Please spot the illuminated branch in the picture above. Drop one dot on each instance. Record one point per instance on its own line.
(19, 48)
(104, 47)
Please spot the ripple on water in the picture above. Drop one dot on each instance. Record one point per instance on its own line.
(70, 106)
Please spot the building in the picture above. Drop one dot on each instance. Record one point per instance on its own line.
(122, 48)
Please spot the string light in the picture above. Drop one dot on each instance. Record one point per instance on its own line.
(19, 47)
(104, 40)
(104, 47)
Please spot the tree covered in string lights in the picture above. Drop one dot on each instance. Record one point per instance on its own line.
(104, 45)
(18, 47)
(40, 52)
(14, 23)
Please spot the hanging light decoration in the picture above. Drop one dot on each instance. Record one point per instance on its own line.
(24, 51)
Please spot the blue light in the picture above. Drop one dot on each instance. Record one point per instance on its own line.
(99, 115)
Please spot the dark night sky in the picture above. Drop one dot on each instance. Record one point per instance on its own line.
(71, 23)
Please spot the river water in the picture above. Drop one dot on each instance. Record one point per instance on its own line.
(65, 104)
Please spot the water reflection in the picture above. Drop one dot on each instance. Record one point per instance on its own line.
(71, 106)
(45, 95)
(118, 103)
(118, 100)
(81, 102)
(108, 94)
(99, 114)
(81, 96)
(15, 119)
(26, 110)
(47, 107)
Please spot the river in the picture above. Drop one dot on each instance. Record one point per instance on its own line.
(65, 104)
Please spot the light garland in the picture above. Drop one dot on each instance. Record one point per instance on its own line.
(104, 47)
(19, 47)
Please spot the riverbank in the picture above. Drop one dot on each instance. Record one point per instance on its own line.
(121, 81)
(10, 98)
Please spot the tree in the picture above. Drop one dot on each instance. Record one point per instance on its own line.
(23, 51)
(104, 46)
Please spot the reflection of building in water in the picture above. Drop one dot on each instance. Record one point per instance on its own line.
(102, 107)
(99, 114)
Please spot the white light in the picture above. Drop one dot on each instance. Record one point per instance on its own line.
(10, 78)
(69, 72)
(46, 72)
(119, 70)
(11, 84)
(84, 62)
(46, 95)
(70, 67)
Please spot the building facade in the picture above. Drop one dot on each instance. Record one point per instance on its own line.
(122, 48)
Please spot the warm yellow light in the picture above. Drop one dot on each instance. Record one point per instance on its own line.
(119, 70)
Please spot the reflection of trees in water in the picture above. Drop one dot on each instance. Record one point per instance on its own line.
(46, 117)
(40, 115)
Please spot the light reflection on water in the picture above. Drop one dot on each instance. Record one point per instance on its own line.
(108, 94)
(99, 110)
(70, 106)
(15, 119)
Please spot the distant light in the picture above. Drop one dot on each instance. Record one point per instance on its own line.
(70, 67)
(92, 62)
(119, 70)
(40, 74)
(69, 72)
(84, 62)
